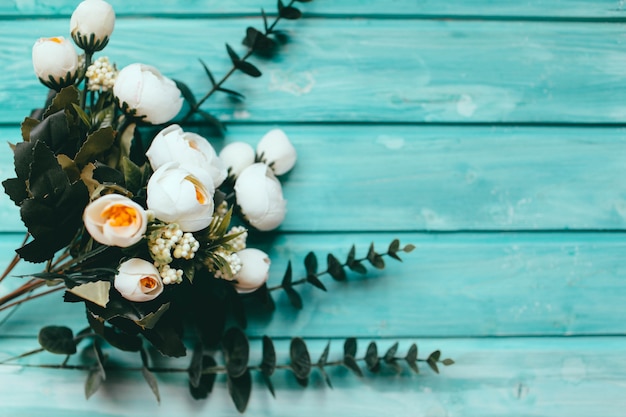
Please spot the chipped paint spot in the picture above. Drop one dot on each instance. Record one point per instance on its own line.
(465, 106)
(295, 83)
(241, 115)
(391, 142)
(431, 219)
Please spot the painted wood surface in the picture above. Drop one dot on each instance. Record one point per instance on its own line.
(343, 70)
(488, 133)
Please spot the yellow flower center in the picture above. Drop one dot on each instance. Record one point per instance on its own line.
(201, 194)
(57, 40)
(149, 283)
(119, 215)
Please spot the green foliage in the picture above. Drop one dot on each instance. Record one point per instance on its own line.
(57, 339)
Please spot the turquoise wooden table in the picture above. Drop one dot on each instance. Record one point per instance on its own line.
(490, 134)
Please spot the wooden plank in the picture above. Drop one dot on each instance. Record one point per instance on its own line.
(576, 377)
(409, 71)
(427, 8)
(384, 178)
(453, 285)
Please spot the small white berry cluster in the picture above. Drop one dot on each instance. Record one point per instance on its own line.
(238, 243)
(221, 209)
(170, 242)
(101, 75)
(234, 263)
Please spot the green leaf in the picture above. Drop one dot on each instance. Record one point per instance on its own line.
(123, 341)
(195, 367)
(447, 362)
(411, 358)
(247, 68)
(268, 364)
(231, 92)
(27, 125)
(335, 269)
(82, 115)
(97, 143)
(208, 72)
(236, 352)
(206, 381)
(353, 264)
(315, 281)
(233, 55)
(15, 188)
(408, 248)
(239, 389)
(268, 383)
(432, 360)
(394, 247)
(349, 347)
(152, 382)
(288, 276)
(186, 92)
(94, 382)
(326, 378)
(390, 355)
(294, 297)
(324, 356)
(290, 13)
(300, 359)
(265, 25)
(310, 263)
(258, 41)
(62, 100)
(97, 292)
(57, 339)
(151, 319)
(350, 363)
(374, 258)
(371, 358)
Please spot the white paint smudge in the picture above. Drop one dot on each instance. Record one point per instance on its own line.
(241, 115)
(466, 106)
(391, 142)
(295, 83)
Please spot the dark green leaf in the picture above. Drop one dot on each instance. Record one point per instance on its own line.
(268, 364)
(231, 92)
(371, 358)
(258, 41)
(64, 99)
(152, 382)
(432, 360)
(324, 357)
(290, 13)
(15, 188)
(375, 259)
(46, 178)
(207, 380)
(186, 92)
(351, 364)
(408, 248)
(133, 175)
(390, 355)
(247, 68)
(326, 378)
(166, 339)
(82, 115)
(233, 55)
(57, 339)
(288, 276)
(94, 382)
(123, 341)
(447, 362)
(236, 352)
(208, 73)
(349, 347)
(294, 297)
(315, 281)
(335, 269)
(310, 263)
(411, 358)
(27, 125)
(195, 367)
(99, 357)
(394, 246)
(269, 384)
(300, 359)
(151, 319)
(239, 389)
(265, 25)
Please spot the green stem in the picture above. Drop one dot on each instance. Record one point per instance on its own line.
(88, 57)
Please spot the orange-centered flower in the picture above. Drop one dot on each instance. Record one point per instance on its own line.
(148, 283)
(57, 40)
(119, 215)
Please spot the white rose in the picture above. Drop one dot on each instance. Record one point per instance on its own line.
(55, 62)
(175, 195)
(91, 25)
(148, 93)
(115, 220)
(260, 197)
(255, 267)
(237, 156)
(277, 151)
(172, 144)
(138, 280)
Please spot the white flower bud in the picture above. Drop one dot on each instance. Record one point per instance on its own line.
(91, 25)
(55, 62)
(237, 156)
(115, 220)
(260, 197)
(172, 144)
(148, 94)
(255, 267)
(138, 280)
(178, 196)
(277, 151)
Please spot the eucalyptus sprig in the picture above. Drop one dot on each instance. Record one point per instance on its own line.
(257, 41)
(203, 369)
(335, 268)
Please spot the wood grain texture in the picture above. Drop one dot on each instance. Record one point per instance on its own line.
(437, 178)
(575, 377)
(428, 8)
(360, 70)
(451, 285)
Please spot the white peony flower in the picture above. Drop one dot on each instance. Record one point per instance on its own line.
(55, 62)
(91, 25)
(260, 197)
(255, 267)
(138, 280)
(172, 144)
(237, 156)
(277, 151)
(148, 93)
(115, 220)
(176, 195)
